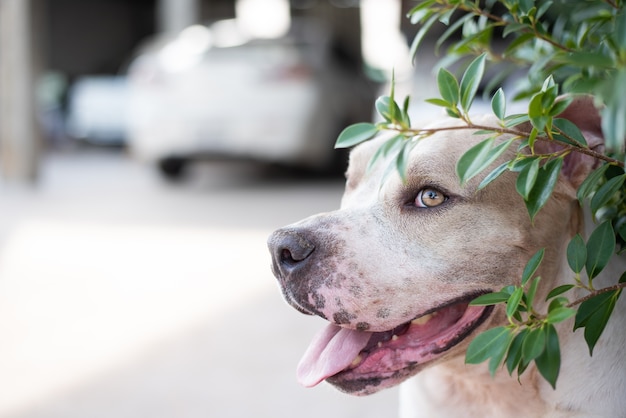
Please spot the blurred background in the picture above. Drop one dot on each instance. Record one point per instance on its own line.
(147, 150)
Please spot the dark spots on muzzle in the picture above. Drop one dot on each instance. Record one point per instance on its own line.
(362, 326)
(318, 300)
(306, 259)
(343, 317)
(383, 313)
(356, 290)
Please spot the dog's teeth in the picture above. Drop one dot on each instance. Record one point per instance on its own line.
(393, 338)
(357, 360)
(380, 344)
(422, 320)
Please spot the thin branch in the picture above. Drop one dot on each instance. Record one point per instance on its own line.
(596, 293)
(515, 132)
(502, 22)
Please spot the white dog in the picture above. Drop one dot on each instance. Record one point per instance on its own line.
(393, 271)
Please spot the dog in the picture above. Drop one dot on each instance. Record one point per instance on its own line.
(394, 269)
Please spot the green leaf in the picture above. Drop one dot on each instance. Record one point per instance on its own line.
(534, 344)
(495, 173)
(550, 93)
(451, 30)
(513, 302)
(597, 320)
(438, 102)
(560, 314)
(445, 17)
(471, 80)
(390, 146)
(526, 178)
(577, 254)
(537, 113)
(355, 134)
(521, 163)
(498, 104)
(532, 138)
(521, 367)
(514, 355)
(559, 107)
(421, 11)
(402, 160)
(568, 128)
(544, 185)
(499, 353)
(607, 192)
(453, 112)
(589, 307)
(532, 265)
(587, 59)
(532, 290)
(486, 345)
(448, 86)
(512, 28)
(479, 157)
(517, 119)
(526, 6)
(559, 290)
(549, 361)
(508, 289)
(619, 34)
(614, 115)
(600, 248)
(558, 302)
(405, 111)
(387, 109)
(490, 299)
(421, 34)
(589, 184)
(543, 8)
(518, 42)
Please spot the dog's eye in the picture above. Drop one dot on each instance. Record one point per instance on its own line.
(428, 198)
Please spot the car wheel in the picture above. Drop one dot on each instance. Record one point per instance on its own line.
(172, 168)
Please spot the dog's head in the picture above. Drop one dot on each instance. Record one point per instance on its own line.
(394, 269)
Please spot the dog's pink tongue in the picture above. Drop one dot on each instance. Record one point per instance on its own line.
(331, 351)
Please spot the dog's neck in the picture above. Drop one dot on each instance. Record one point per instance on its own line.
(457, 389)
(582, 379)
(453, 387)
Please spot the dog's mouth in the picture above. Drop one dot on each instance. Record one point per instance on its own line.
(362, 362)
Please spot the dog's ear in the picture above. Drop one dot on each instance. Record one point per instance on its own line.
(585, 115)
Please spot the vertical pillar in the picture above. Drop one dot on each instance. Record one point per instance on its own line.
(19, 132)
(384, 47)
(175, 15)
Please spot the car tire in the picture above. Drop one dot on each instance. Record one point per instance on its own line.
(172, 168)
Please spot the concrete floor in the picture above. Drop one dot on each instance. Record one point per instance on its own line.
(124, 296)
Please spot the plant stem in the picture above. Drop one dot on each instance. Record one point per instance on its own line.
(596, 293)
(477, 11)
(500, 130)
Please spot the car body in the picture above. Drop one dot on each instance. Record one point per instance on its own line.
(97, 109)
(213, 92)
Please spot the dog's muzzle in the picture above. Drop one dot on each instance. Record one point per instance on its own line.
(291, 254)
(290, 251)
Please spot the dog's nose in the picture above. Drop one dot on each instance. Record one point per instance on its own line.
(290, 250)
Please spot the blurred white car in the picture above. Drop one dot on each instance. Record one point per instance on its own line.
(214, 92)
(97, 109)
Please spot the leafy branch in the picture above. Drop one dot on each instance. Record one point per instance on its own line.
(568, 147)
(571, 48)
